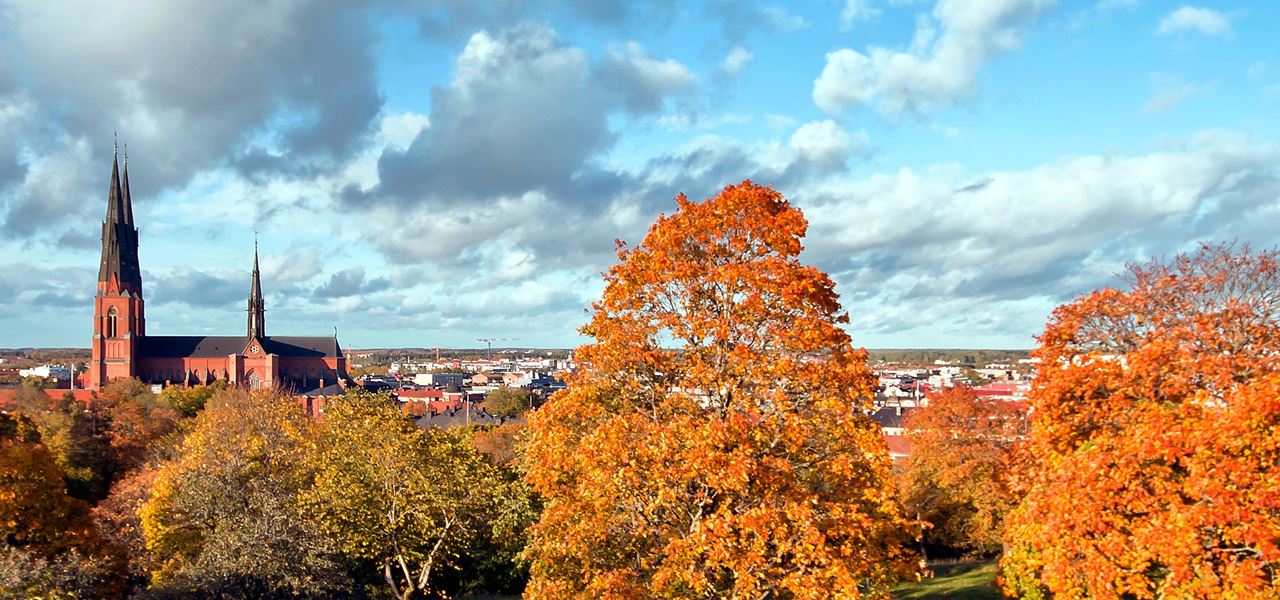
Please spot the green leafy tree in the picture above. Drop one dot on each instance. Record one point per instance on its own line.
(406, 499)
(506, 402)
(188, 401)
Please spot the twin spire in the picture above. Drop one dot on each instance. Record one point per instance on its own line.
(119, 236)
(119, 270)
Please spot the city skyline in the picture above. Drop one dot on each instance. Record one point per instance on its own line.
(421, 175)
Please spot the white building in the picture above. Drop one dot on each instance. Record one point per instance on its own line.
(58, 372)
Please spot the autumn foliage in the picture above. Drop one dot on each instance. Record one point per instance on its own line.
(712, 444)
(1155, 439)
(956, 477)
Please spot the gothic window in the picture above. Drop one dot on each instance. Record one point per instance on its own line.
(111, 322)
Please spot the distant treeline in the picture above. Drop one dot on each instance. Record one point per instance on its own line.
(970, 357)
(385, 356)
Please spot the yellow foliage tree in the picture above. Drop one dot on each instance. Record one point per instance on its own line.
(225, 515)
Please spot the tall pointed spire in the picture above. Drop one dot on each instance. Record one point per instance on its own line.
(127, 215)
(119, 237)
(257, 311)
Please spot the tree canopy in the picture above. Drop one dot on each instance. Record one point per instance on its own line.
(225, 515)
(712, 442)
(405, 498)
(955, 477)
(1152, 458)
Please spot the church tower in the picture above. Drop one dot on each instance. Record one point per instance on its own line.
(118, 319)
(257, 310)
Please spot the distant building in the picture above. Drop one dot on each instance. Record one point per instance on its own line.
(121, 348)
(440, 379)
(57, 372)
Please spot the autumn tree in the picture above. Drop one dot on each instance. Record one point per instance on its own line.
(225, 516)
(499, 442)
(26, 574)
(1153, 443)
(35, 510)
(955, 478)
(71, 434)
(118, 521)
(47, 540)
(713, 443)
(133, 421)
(404, 498)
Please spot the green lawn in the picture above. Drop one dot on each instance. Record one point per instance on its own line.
(963, 581)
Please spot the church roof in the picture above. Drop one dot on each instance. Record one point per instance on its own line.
(302, 346)
(215, 346)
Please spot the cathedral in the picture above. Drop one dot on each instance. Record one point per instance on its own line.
(122, 348)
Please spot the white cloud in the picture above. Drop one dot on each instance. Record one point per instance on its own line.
(778, 18)
(826, 143)
(1169, 95)
(1195, 19)
(938, 69)
(737, 59)
(855, 11)
(1050, 217)
(642, 81)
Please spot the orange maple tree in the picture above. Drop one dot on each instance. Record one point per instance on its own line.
(1155, 438)
(955, 478)
(712, 442)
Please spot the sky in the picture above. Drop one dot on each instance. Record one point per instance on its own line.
(426, 173)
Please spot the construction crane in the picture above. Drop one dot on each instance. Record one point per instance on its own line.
(488, 341)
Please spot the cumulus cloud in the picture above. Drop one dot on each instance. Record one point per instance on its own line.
(197, 288)
(642, 81)
(938, 69)
(293, 266)
(188, 85)
(513, 153)
(917, 240)
(32, 286)
(826, 144)
(524, 112)
(741, 18)
(51, 190)
(351, 282)
(1195, 19)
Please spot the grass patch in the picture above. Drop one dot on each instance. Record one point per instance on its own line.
(962, 581)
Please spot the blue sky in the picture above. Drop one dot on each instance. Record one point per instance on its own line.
(423, 173)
